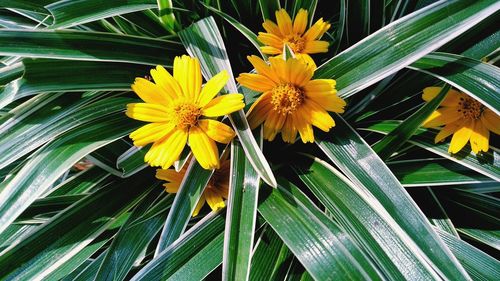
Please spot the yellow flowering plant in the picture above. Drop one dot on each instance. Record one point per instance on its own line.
(249, 140)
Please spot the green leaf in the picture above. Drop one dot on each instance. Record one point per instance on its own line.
(402, 42)
(11, 72)
(204, 41)
(434, 172)
(132, 238)
(43, 75)
(82, 182)
(88, 46)
(268, 7)
(30, 5)
(269, 256)
(252, 37)
(51, 161)
(77, 260)
(318, 243)
(488, 163)
(192, 186)
(365, 219)
(194, 255)
(241, 216)
(166, 14)
(47, 248)
(480, 265)
(475, 78)
(69, 13)
(132, 161)
(397, 137)
(55, 118)
(364, 168)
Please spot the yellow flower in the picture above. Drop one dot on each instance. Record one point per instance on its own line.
(176, 106)
(216, 191)
(465, 118)
(294, 34)
(291, 102)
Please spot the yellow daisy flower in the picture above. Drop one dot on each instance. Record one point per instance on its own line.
(178, 110)
(464, 118)
(291, 102)
(294, 34)
(216, 191)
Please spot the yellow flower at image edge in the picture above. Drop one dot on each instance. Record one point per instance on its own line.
(294, 34)
(464, 118)
(179, 112)
(291, 102)
(216, 191)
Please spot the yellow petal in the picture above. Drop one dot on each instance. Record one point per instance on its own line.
(322, 91)
(451, 99)
(320, 85)
(263, 68)
(442, 116)
(273, 125)
(165, 152)
(172, 187)
(268, 50)
(223, 105)
(169, 175)
(166, 82)
(199, 205)
(204, 149)
(461, 137)
(212, 88)
(214, 200)
(271, 27)
(479, 139)
(491, 121)
(150, 133)
(216, 130)
(279, 66)
(300, 73)
(256, 82)
(270, 40)
(447, 130)
(300, 22)
(148, 112)
(316, 31)
(289, 132)
(284, 22)
(307, 59)
(149, 92)
(188, 73)
(319, 117)
(313, 47)
(259, 111)
(303, 125)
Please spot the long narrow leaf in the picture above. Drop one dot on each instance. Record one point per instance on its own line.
(241, 216)
(478, 79)
(364, 168)
(402, 42)
(204, 41)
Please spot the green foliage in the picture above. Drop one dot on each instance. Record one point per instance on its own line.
(373, 199)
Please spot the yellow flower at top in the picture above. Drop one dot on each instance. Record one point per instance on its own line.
(291, 101)
(464, 118)
(294, 34)
(216, 191)
(179, 112)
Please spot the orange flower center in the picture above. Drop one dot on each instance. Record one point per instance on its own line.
(295, 41)
(286, 98)
(185, 115)
(470, 108)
